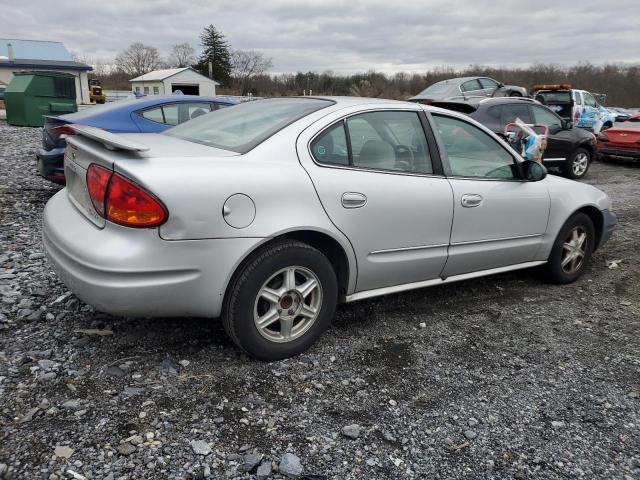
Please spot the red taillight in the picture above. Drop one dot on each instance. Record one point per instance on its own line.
(122, 201)
(130, 205)
(97, 182)
(62, 130)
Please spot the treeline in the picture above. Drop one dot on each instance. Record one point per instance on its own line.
(621, 84)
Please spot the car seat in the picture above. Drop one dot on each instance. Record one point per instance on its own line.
(197, 112)
(376, 154)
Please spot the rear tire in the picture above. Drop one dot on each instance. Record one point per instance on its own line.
(515, 94)
(280, 301)
(571, 251)
(577, 164)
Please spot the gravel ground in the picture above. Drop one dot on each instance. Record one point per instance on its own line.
(503, 377)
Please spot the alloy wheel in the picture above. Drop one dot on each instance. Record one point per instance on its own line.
(573, 250)
(287, 304)
(580, 164)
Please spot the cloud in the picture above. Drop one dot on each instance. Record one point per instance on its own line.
(347, 36)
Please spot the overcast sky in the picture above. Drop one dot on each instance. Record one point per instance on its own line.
(347, 36)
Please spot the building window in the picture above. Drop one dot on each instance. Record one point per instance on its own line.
(146, 90)
(156, 91)
(137, 89)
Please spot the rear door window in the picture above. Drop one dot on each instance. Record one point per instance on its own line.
(171, 114)
(331, 147)
(590, 100)
(470, 86)
(385, 140)
(508, 113)
(545, 117)
(389, 141)
(154, 114)
(488, 83)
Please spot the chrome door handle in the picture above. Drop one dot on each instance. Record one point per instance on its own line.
(353, 200)
(470, 200)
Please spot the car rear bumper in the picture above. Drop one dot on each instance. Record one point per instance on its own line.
(133, 272)
(51, 164)
(608, 225)
(620, 152)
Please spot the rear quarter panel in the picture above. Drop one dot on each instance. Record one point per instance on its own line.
(195, 189)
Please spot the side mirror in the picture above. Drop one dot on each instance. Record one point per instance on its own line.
(567, 124)
(533, 171)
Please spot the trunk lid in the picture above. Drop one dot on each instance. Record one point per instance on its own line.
(93, 145)
(627, 136)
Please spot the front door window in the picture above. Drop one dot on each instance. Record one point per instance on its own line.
(472, 152)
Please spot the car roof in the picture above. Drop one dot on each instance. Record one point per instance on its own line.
(156, 99)
(474, 104)
(354, 101)
(131, 105)
(477, 101)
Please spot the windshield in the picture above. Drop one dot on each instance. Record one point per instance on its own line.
(245, 126)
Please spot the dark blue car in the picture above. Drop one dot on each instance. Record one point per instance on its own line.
(144, 115)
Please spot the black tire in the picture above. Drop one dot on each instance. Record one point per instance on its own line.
(553, 269)
(515, 94)
(570, 169)
(242, 297)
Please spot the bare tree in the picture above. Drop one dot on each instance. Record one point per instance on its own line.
(100, 68)
(246, 64)
(182, 55)
(138, 59)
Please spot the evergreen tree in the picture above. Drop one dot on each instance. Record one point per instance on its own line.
(215, 49)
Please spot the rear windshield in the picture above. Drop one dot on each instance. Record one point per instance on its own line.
(245, 126)
(563, 96)
(439, 87)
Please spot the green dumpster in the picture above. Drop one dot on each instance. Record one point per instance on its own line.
(33, 94)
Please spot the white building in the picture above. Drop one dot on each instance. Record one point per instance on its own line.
(18, 55)
(165, 82)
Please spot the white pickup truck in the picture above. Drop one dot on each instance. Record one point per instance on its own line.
(578, 106)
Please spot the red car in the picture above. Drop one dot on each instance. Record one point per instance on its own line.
(621, 140)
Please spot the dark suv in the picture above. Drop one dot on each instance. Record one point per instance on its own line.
(568, 148)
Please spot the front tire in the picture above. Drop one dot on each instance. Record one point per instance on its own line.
(572, 250)
(281, 300)
(577, 164)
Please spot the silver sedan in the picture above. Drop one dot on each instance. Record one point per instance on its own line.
(269, 213)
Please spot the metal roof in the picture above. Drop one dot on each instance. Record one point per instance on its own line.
(35, 49)
(160, 75)
(39, 54)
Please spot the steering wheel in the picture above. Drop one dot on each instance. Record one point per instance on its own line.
(403, 152)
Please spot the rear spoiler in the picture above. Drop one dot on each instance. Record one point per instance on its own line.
(461, 107)
(110, 140)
